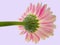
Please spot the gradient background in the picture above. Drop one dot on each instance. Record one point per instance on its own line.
(11, 10)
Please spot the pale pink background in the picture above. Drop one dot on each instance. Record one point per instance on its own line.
(12, 9)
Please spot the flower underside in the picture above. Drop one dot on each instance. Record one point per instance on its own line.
(31, 23)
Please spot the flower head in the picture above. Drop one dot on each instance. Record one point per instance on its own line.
(38, 22)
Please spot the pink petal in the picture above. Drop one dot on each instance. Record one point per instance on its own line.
(42, 10)
(21, 27)
(33, 9)
(36, 38)
(49, 25)
(21, 19)
(23, 32)
(28, 37)
(49, 19)
(46, 12)
(25, 15)
(28, 9)
(31, 36)
(38, 8)
(31, 6)
(43, 34)
(48, 32)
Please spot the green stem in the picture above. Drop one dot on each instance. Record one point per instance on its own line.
(10, 23)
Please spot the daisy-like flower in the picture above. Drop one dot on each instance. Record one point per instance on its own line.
(38, 22)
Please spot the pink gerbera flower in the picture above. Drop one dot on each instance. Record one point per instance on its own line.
(38, 22)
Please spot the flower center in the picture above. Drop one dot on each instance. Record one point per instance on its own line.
(31, 23)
